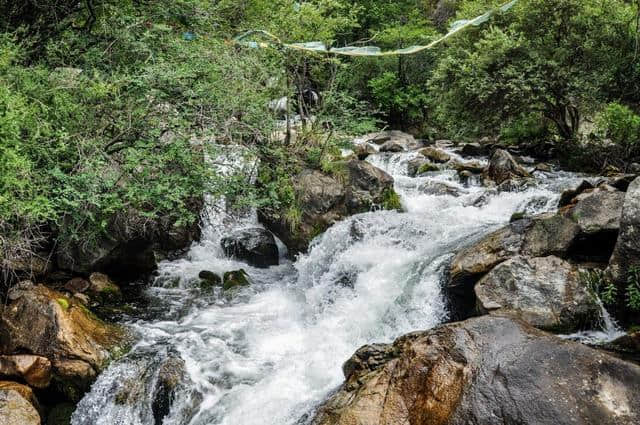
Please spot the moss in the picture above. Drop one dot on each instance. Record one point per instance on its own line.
(337, 169)
(64, 303)
(427, 167)
(318, 229)
(293, 217)
(391, 200)
(234, 279)
(516, 216)
(111, 290)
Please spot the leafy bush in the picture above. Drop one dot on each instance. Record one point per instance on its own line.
(633, 289)
(600, 287)
(620, 124)
(549, 57)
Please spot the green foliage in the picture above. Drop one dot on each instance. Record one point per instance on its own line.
(528, 128)
(391, 200)
(633, 289)
(600, 287)
(551, 58)
(427, 167)
(620, 124)
(109, 108)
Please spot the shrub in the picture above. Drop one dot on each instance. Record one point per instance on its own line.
(620, 124)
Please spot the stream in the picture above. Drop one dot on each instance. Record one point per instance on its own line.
(271, 352)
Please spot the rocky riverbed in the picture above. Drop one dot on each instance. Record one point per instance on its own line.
(458, 275)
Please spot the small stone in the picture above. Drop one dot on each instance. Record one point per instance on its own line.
(77, 284)
(103, 289)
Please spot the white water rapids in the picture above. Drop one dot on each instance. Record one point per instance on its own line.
(271, 352)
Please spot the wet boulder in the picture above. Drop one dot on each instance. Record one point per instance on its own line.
(435, 155)
(77, 284)
(155, 379)
(18, 405)
(170, 375)
(549, 234)
(546, 292)
(407, 141)
(473, 149)
(43, 322)
(503, 167)
(34, 370)
(103, 289)
(627, 346)
(393, 146)
(414, 165)
(363, 150)
(473, 167)
(438, 189)
(235, 279)
(487, 370)
(626, 253)
(256, 246)
(209, 279)
(323, 199)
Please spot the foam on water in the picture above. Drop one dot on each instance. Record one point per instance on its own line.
(271, 352)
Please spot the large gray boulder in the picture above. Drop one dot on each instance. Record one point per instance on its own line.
(539, 236)
(597, 210)
(256, 246)
(546, 292)
(626, 253)
(392, 137)
(487, 370)
(547, 234)
(323, 199)
(503, 167)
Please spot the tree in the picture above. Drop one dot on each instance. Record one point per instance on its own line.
(549, 57)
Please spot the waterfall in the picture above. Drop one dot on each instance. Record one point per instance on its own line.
(269, 353)
(609, 330)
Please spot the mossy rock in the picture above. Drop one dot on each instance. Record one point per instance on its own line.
(235, 279)
(426, 168)
(103, 290)
(516, 216)
(208, 280)
(391, 200)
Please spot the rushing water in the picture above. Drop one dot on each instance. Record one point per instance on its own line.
(269, 353)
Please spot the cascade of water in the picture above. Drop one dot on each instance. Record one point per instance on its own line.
(609, 330)
(274, 350)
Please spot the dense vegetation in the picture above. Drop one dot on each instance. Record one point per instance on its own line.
(109, 107)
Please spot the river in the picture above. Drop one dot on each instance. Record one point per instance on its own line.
(271, 352)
